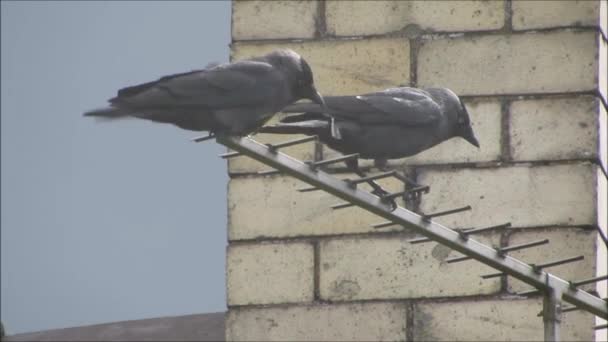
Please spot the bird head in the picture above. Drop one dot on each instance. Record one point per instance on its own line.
(305, 86)
(463, 126)
(298, 73)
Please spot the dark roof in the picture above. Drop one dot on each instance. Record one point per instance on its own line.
(201, 327)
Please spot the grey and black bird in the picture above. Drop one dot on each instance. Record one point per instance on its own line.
(393, 123)
(232, 98)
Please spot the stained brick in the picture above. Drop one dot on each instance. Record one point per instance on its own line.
(523, 195)
(524, 63)
(273, 19)
(542, 14)
(603, 67)
(336, 322)
(603, 136)
(563, 243)
(272, 207)
(493, 320)
(270, 273)
(604, 18)
(347, 66)
(350, 18)
(565, 128)
(391, 267)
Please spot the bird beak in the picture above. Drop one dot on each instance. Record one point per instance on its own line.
(316, 97)
(469, 136)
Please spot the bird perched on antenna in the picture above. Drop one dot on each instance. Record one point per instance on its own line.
(389, 124)
(233, 98)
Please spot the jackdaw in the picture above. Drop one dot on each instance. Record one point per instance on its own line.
(393, 123)
(232, 98)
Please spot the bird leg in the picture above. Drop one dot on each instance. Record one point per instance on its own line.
(382, 165)
(353, 165)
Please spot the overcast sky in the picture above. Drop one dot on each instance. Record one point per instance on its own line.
(106, 222)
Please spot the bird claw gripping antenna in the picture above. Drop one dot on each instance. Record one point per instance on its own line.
(554, 289)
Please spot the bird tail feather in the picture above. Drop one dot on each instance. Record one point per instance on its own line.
(302, 107)
(306, 128)
(107, 113)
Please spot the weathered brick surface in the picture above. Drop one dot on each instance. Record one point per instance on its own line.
(272, 207)
(244, 164)
(601, 335)
(391, 267)
(602, 201)
(351, 18)
(336, 322)
(604, 18)
(554, 128)
(347, 67)
(603, 136)
(273, 19)
(602, 204)
(603, 67)
(563, 243)
(520, 63)
(486, 121)
(523, 195)
(601, 249)
(493, 320)
(386, 267)
(270, 273)
(542, 14)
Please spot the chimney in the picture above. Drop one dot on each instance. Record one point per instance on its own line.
(534, 77)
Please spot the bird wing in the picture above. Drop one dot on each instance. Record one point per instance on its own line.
(226, 85)
(304, 115)
(399, 106)
(409, 107)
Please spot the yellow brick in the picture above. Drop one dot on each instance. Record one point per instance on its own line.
(523, 195)
(563, 243)
(602, 202)
(564, 128)
(523, 63)
(601, 248)
(603, 67)
(391, 267)
(604, 17)
(346, 67)
(273, 19)
(603, 134)
(493, 320)
(343, 322)
(272, 207)
(540, 14)
(270, 273)
(349, 18)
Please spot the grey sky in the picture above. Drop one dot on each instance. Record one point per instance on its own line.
(106, 221)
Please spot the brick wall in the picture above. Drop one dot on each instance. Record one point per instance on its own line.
(534, 77)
